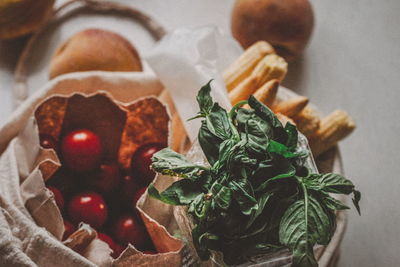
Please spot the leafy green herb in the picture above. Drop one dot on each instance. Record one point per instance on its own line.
(304, 224)
(257, 196)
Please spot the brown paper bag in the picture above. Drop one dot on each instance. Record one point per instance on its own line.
(124, 104)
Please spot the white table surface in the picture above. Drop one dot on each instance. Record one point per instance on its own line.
(352, 63)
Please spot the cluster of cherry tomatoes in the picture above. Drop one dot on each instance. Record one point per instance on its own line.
(97, 192)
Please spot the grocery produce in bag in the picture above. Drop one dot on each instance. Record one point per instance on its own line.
(256, 193)
(94, 158)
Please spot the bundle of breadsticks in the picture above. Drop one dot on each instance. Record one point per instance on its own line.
(259, 71)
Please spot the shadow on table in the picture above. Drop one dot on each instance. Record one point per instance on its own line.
(295, 78)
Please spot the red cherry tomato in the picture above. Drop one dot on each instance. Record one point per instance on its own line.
(58, 197)
(128, 230)
(137, 195)
(64, 180)
(69, 229)
(106, 239)
(48, 141)
(81, 150)
(106, 178)
(118, 250)
(129, 186)
(141, 161)
(88, 207)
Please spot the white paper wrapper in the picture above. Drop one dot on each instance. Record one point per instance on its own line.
(185, 60)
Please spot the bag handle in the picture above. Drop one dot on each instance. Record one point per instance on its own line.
(21, 91)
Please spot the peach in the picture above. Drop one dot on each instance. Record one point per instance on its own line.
(20, 17)
(95, 49)
(286, 24)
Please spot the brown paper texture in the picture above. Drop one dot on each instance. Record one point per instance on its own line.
(58, 109)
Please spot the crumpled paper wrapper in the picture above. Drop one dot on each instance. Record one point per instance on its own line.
(188, 58)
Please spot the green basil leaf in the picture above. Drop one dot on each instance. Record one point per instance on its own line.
(240, 165)
(264, 112)
(226, 150)
(264, 170)
(256, 145)
(181, 192)
(222, 196)
(333, 203)
(330, 183)
(262, 202)
(283, 150)
(292, 134)
(262, 248)
(209, 143)
(217, 122)
(304, 224)
(242, 116)
(267, 223)
(279, 133)
(201, 248)
(168, 162)
(248, 121)
(244, 195)
(200, 207)
(257, 135)
(207, 239)
(197, 204)
(356, 200)
(290, 172)
(204, 99)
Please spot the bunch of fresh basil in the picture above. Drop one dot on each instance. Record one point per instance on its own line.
(257, 197)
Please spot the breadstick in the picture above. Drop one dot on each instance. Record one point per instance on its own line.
(244, 90)
(284, 119)
(307, 121)
(243, 66)
(270, 67)
(292, 106)
(333, 128)
(266, 94)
